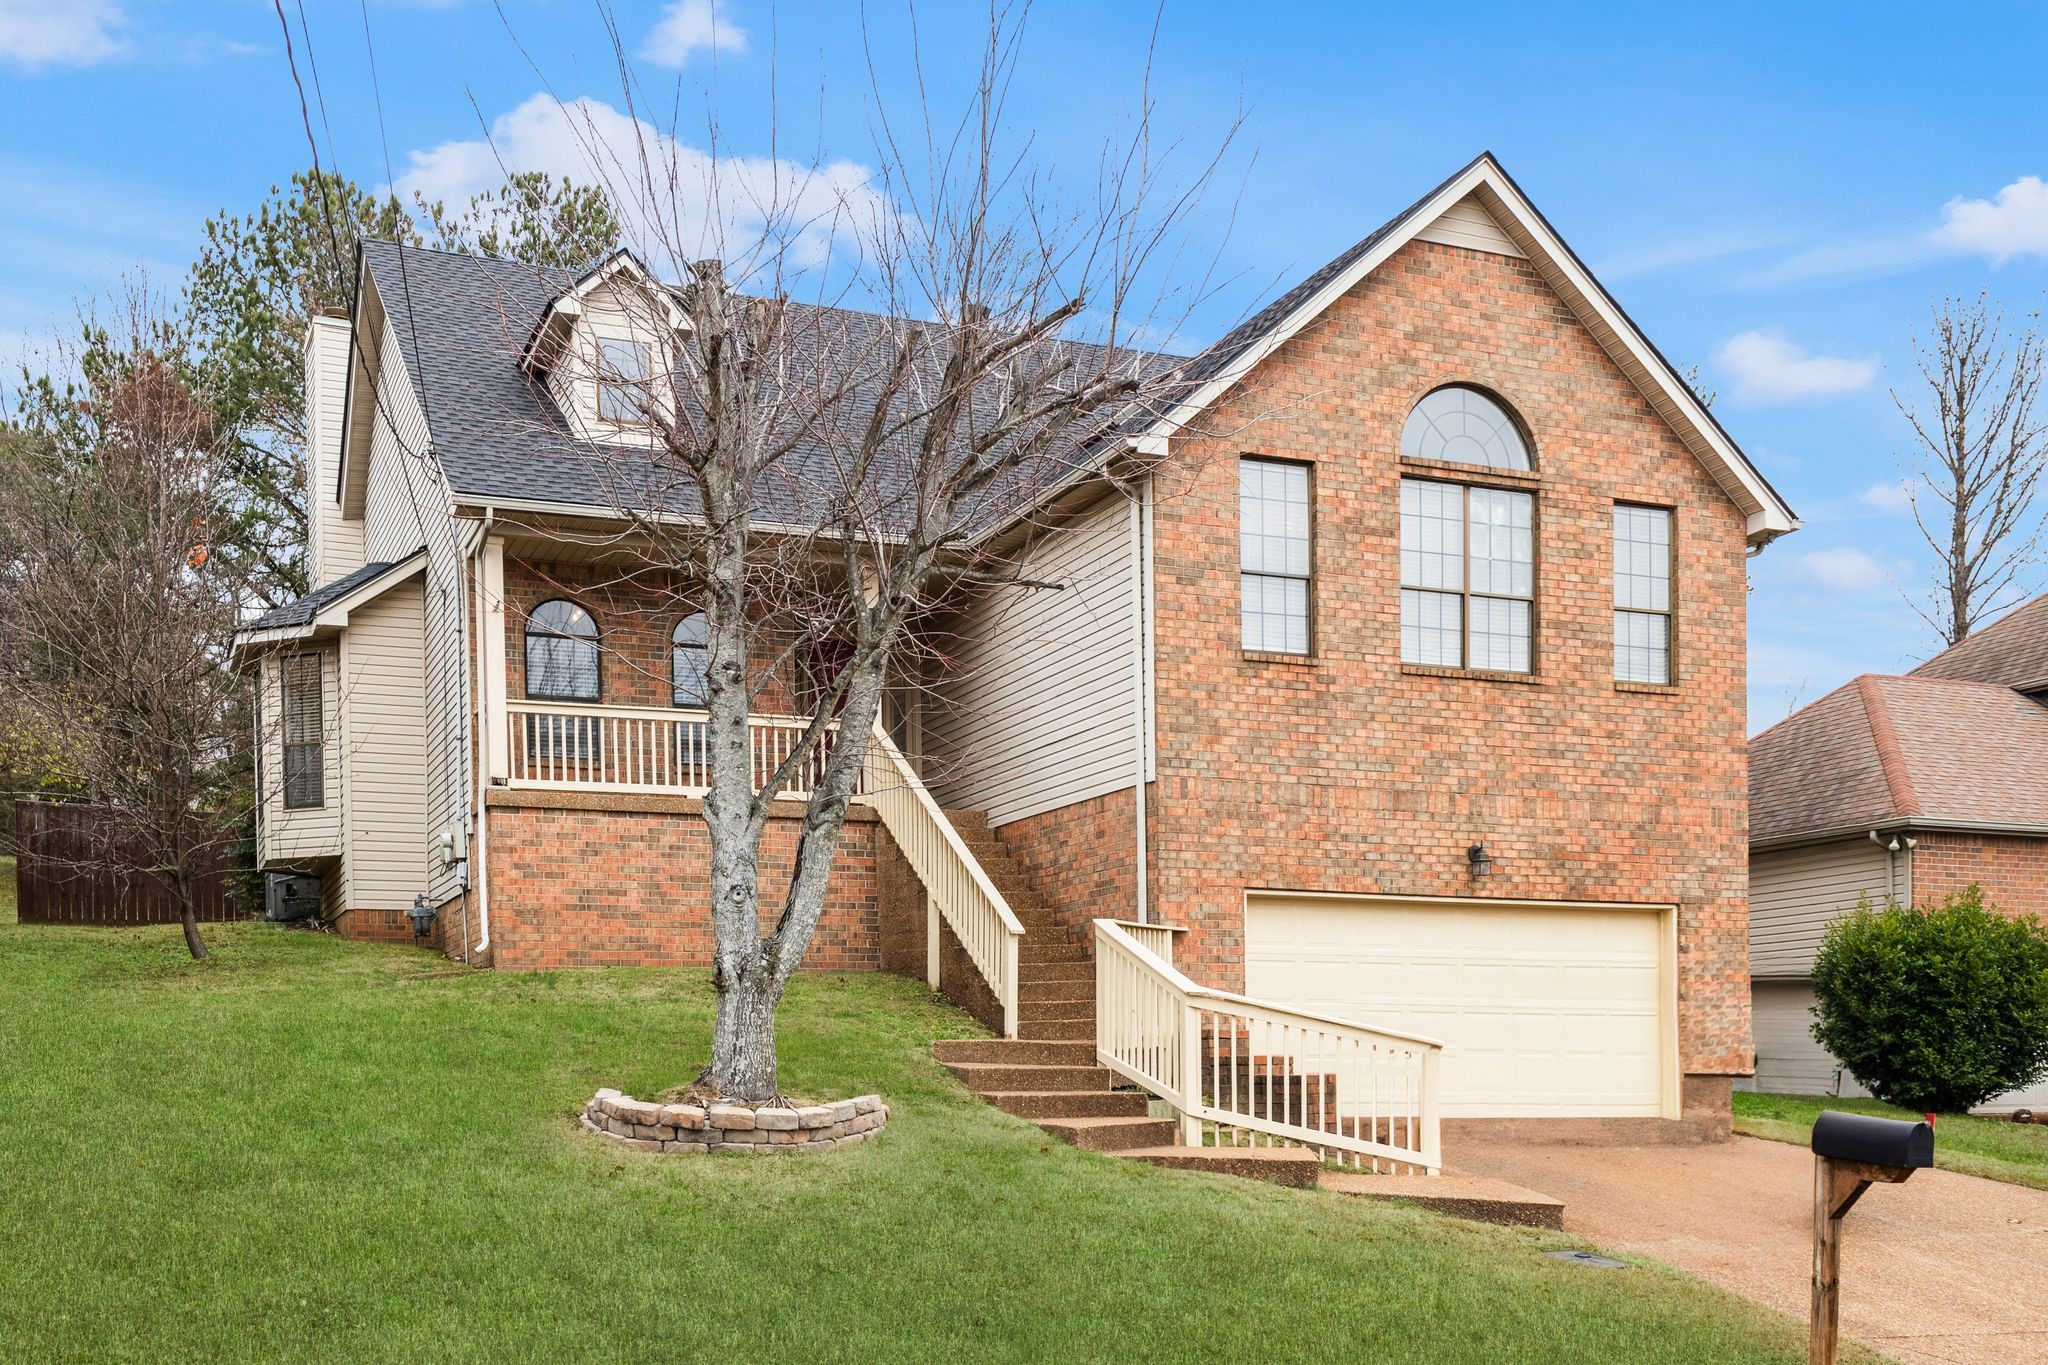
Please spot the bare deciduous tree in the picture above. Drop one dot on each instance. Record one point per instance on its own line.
(966, 349)
(115, 608)
(1975, 464)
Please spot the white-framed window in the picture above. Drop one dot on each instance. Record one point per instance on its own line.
(305, 748)
(690, 660)
(1642, 594)
(1468, 576)
(1275, 580)
(624, 393)
(1461, 425)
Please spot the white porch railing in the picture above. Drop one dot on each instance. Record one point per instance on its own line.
(1243, 1072)
(658, 751)
(640, 748)
(957, 890)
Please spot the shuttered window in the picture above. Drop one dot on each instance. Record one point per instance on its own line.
(305, 766)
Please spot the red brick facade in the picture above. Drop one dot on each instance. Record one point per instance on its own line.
(2012, 870)
(1347, 771)
(1081, 858)
(581, 881)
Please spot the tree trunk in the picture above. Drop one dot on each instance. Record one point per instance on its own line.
(189, 917)
(743, 1038)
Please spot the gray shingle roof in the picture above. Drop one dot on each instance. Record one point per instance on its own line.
(2012, 650)
(302, 612)
(463, 321)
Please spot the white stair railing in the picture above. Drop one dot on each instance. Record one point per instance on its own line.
(644, 749)
(958, 888)
(1245, 1072)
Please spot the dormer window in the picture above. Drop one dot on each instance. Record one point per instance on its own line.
(624, 393)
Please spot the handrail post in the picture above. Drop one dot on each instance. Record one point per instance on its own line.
(1190, 1074)
(1009, 985)
(931, 942)
(1432, 1125)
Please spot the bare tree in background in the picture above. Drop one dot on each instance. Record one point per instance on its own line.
(117, 613)
(1976, 460)
(836, 462)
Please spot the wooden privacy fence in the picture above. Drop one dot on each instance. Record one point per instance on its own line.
(73, 868)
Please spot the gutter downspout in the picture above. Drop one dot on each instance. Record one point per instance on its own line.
(478, 848)
(1139, 641)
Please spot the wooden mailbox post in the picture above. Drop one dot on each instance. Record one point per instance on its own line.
(1850, 1153)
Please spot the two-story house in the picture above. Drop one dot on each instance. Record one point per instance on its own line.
(1417, 699)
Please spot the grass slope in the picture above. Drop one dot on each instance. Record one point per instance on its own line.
(1997, 1149)
(320, 1150)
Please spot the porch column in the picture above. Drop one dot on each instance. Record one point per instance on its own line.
(491, 660)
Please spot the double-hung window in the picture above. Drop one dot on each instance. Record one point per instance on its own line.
(1642, 594)
(1468, 576)
(1273, 555)
(624, 393)
(305, 752)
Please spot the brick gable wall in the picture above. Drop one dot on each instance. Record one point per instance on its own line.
(1348, 772)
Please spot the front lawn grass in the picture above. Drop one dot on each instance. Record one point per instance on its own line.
(1995, 1148)
(311, 1149)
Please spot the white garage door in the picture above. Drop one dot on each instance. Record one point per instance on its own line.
(1544, 1011)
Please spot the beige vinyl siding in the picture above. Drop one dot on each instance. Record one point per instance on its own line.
(299, 837)
(1037, 710)
(406, 505)
(1794, 892)
(1788, 1060)
(1468, 224)
(383, 661)
(572, 382)
(334, 542)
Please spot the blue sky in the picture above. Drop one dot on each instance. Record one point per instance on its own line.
(1772, 192)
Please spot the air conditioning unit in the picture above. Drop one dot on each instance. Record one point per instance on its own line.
(290, 896)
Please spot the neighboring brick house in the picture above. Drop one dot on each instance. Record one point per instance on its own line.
(1417, 697)
(1909, 788)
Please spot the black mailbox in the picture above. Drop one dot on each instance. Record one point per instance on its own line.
(1880, 1142)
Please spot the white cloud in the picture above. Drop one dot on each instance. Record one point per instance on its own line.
(1766, 368)
(690, 26)
(1895, 498)
(39, 33)
(1844, 569)
(699, 205)
(2015, 225)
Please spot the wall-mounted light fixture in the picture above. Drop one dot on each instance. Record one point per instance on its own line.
(1479, 860)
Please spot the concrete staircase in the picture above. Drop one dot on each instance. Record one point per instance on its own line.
(1048, 1073)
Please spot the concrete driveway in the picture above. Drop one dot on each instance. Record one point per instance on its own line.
(1942, 1268)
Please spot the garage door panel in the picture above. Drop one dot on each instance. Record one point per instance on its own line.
(1545, 1011)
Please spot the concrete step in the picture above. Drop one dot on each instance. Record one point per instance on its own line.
(1072, 1007)
(1036, 972)
(1295, 1167)
(987, 1077)
(1034, 952)
(1060, 1104)
(1477, 1197)
(1115, 1134)
(1058, 1030)
(1016, 1051)
(965, 820)
(1065, 990)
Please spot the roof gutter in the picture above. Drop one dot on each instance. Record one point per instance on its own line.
(1917, 822)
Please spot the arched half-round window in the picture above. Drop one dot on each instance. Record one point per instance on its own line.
(1464, 426)
(561, 653)
(690, 666)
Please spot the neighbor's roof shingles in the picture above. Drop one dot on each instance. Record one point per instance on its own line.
(2012, 650)
(1882, 749)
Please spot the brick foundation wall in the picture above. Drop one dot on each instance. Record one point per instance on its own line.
(1349, 772)
(586, 881)
(2012, 870)
(1083, 860)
